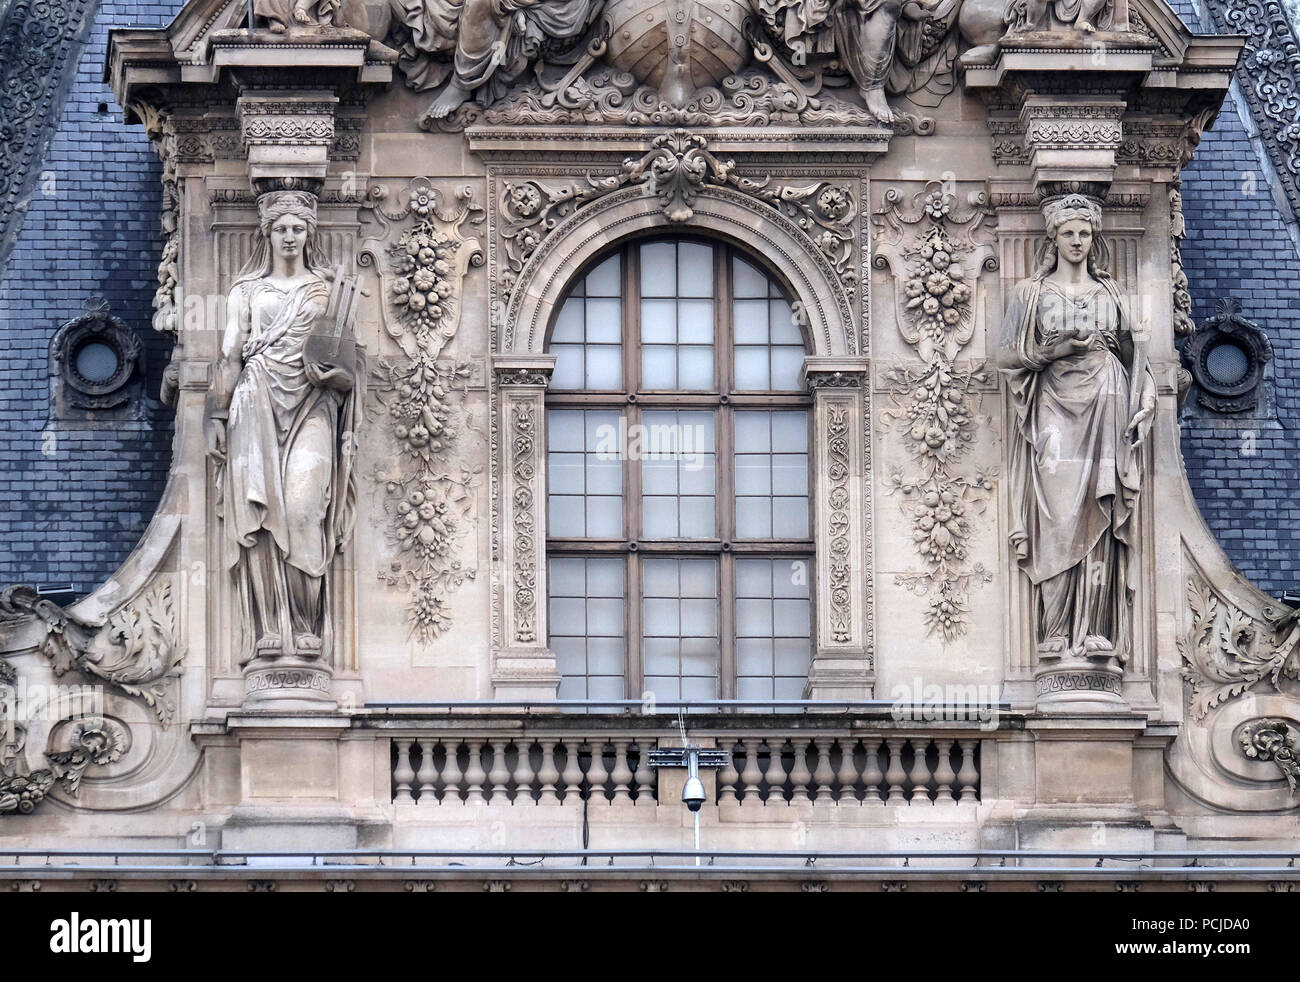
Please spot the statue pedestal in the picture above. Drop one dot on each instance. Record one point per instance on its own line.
(1076, 684)
(290, 682)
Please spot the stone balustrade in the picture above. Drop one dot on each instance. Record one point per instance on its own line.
(560, 768)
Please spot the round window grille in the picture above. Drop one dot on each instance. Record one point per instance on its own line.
(97, 362)
(1227, 363)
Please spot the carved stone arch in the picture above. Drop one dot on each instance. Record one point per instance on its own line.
(749, 223)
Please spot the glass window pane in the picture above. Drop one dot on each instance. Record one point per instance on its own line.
(602, 431)
(753, 474)
(661, 656)
(604, 280)
(695, 321)
(658, 269)
(604, 687)
(792, 656)
(753, 432)
(659, 578)
(564, 516)
(791, 618)
(604, 617)
(790, 432)
(750, 321)
(659, 517)
(695, 367)
(570, 661)
(697, 431)
(786, 363)
(568, 610)
(753, 689)
(661, 617)
(697, 519)
(568, 323)
(789, 518)
(658, 321)
(605, 518)
(567, 577)
(754, 518)
(790, 577)
(564, 429)
(754, 618)
(604, 476)
(753, 656)
(604, 321)
(604, 366)
(694, 270)
(700, 664)
(784, 329)
(604, 577)
(789, 688)
(699, 577)
(658, 477)
(790, 474)
(605, 656)
(662, 688)
(658, 367)
(568, 373)
(565, 473)
(697, 688)
(697, 474)
(752, 370)
(749, 282)
(753, 578)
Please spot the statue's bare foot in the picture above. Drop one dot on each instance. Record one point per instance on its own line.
(1095, 642)
(275, 27)
(451, 99)
(268, 646)
(1085, 25)
(875, 99)
(300, 16)
(306, 643)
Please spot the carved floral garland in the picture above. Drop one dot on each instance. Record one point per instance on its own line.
(932, 254)
(429, 497)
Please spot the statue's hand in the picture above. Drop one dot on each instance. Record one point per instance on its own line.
(1071, 346)
(329, 376)
(1140, 424)
(214, 433)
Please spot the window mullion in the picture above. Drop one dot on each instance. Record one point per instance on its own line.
(727, 627)
(635, 670)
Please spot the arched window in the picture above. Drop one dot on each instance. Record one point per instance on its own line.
(678, 512)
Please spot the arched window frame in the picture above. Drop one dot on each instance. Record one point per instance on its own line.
(836, 374)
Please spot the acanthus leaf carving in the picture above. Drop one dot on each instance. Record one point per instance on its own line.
(430, 499)
(1227, 651)
(136, 650)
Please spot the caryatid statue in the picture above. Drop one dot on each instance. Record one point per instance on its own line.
(280, 421)
(1084, 400)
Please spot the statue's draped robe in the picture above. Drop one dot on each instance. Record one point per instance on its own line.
(507, 35)
(1074, 473)
(286, 495)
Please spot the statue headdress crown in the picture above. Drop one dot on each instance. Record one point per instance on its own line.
(274, 204)
(1070, 208)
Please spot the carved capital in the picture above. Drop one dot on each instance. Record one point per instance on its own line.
(286, 134)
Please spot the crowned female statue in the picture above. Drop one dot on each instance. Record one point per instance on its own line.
(279, 421)
(1084, 401)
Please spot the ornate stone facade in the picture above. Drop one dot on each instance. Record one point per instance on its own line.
(409, 628)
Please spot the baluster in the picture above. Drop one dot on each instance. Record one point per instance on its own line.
(644, 777)
(548, 774)
(895, 775)
(823, 775)
(944, 774)
(451, 772)
(872, 775)
(524, 772)
(597, 774)
(751, 775)
(775, 775)
(800, 775)
(728, 775)
(402, 773)
(968, 777)
(474, 775)
(499, 776)
(572, 776)
(920, 776)
(428, 773)
(622, 773)
(848, 772)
